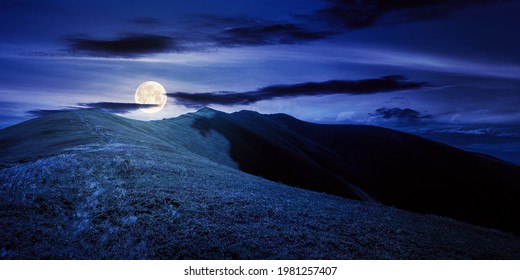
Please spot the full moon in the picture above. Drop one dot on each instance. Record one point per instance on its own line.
(151, 93)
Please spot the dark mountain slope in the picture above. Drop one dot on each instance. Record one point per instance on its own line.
(366, 162)
(267, 150)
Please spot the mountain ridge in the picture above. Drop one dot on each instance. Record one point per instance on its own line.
(470, 187)
(88, 184)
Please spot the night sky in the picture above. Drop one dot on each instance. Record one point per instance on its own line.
(445, 70)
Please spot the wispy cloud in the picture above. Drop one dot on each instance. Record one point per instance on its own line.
(273, 34)
(427, 62)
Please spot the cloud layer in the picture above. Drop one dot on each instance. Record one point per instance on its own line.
(136, 45)
(212, 31)
(356, 87)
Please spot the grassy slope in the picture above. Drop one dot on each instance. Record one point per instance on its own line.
(117, 188)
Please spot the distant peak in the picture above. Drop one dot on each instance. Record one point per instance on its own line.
(207, 112)
(206, 109)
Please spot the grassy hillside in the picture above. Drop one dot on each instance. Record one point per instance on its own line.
(90, 185)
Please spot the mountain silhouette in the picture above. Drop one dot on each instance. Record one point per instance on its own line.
(212, 185)
(373, 164)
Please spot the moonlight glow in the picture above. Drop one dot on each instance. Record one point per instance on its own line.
(151, 93)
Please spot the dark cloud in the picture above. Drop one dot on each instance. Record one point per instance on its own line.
(355, 14)
(406, 114)
(367, 86)
(127, 46)
(273, 34)
(116, 107)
